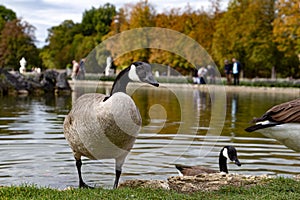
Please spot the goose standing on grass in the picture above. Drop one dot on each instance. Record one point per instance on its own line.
(105, 127)
(281, 122)
(227, 152)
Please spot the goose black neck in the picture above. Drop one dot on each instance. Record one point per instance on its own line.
(121, 82)
(223, 163)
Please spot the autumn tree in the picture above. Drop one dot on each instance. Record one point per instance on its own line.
(287, 34)
(140, 15)
(17, 41)
(245, 32)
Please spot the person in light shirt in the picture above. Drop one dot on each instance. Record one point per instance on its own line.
(236, 70)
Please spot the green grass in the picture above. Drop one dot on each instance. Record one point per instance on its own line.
(278, 188)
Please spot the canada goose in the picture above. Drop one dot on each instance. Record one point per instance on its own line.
(105, 127)
(227, 152)
(281, 122)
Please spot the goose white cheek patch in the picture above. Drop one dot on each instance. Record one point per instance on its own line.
(132, 74)
(225, 153)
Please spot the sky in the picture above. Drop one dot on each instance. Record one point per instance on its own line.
(44, 14)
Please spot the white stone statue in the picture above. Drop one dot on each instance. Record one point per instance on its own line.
(23, 62)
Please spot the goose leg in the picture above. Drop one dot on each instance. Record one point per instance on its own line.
(118, 174)
(119, 163)
(82, 184)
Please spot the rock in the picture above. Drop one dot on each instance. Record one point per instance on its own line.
(62, 82)
(49, 81)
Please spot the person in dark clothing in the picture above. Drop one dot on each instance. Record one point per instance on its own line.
(195, 76)
(236, 70)
(228, 71)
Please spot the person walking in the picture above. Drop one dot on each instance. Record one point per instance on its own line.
(236, 70)
(228, 71)
(202, 72)
(75, 70)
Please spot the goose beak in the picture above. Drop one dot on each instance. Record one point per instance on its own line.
(152, 81)
(237, 162)
(156, 84)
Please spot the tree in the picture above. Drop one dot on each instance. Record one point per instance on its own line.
(6, 15)
(287, 27)
(97, 22)
(69, 40)
(245, 32)
(287, 34)
(17, 41)
(140, 15)
(60, 51)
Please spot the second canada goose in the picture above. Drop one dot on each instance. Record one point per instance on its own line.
(281, 122)
(288, 112)
(227, 152)
(105, 127)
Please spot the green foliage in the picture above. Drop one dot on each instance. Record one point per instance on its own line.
(6, 15)
(69, 40)
(17, 41)
(97, 22)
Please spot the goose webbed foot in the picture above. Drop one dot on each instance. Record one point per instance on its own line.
(84, 185)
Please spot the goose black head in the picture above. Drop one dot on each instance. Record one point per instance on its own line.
(137, 71)
(141, 72)
(230, 153)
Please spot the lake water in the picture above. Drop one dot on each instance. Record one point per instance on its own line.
(183, 124)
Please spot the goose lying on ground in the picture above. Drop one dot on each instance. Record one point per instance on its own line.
(227, 152)
(105, 127)
(281, 122)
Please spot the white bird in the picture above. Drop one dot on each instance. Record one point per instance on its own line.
(227, 152)
(105, 127)
(281, 122)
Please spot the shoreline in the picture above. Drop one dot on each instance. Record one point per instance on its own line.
(227, 88)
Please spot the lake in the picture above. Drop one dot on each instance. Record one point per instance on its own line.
(182, 124)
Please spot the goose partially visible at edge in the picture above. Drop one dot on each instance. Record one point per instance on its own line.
(281, 122)
(105, 127)
(227, 152)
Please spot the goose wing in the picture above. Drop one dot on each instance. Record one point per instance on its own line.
(288, 112)
(194, 170)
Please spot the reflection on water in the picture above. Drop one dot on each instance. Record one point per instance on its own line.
(176, 126)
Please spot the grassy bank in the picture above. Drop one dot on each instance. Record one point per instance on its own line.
(278, 188)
